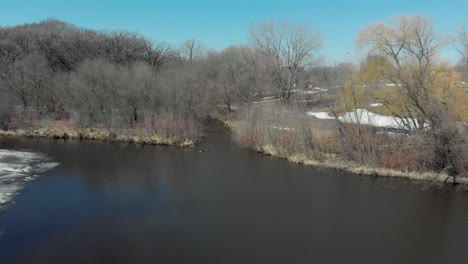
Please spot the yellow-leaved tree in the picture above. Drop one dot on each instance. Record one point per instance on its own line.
(419, 88)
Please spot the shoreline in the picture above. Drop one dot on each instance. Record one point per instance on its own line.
(362, 170)
(130, 136)
(351, 167)
(135, 136)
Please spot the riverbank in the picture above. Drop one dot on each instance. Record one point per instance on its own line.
(63, 130)
(279, 143)
(362, 169)
(103, 192)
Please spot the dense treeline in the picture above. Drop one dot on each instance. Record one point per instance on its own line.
(54, 69)
(120, 80)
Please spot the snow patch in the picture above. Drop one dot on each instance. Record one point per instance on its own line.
(365, 117)
(281, 128)
(310, 91)
(320, 115)
(265, 101)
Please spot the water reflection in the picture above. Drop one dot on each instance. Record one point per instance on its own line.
(118, 203)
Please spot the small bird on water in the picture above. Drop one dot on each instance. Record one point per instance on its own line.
(203, 150)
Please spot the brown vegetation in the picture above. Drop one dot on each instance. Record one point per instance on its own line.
(57, 80)
(162, 130)
(275, 132)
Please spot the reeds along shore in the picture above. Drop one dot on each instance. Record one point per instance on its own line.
(181, 136)
(301, 141)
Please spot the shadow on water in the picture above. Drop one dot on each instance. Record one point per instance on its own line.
(118, 203)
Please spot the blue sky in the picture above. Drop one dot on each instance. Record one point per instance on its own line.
(222, 23)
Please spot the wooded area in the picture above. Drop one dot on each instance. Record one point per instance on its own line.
(54, 75)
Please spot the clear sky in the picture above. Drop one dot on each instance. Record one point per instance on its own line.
(222, 23)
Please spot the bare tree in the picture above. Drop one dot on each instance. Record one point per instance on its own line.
(192, 50)
(290, 48)
(243, 75)
(159, 54)
(462, 47)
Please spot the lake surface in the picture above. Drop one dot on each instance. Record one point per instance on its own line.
(118, 203)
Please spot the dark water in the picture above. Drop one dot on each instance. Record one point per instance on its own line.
(117, 203)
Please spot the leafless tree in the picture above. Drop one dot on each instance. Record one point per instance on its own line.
(159, 54)
(290, 47)
(244, 75)
(192, 50)
(462, 47)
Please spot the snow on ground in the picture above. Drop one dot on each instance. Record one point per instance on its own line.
(265, 101)
(364, 117)
(320, 115)
(17, 168)
(309, 91)
(281, 128)
(266, 98)
(300, 91)
(375, 104)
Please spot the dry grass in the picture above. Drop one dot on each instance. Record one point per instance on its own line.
(223, 115)
(308, 144)
(66, 130)
(334, 163)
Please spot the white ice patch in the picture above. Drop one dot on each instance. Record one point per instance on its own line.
(16, 168)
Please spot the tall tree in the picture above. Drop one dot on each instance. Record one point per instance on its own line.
(290, 47)
(462, 47)
(412, 47)
(192, 50)
(243, 75)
